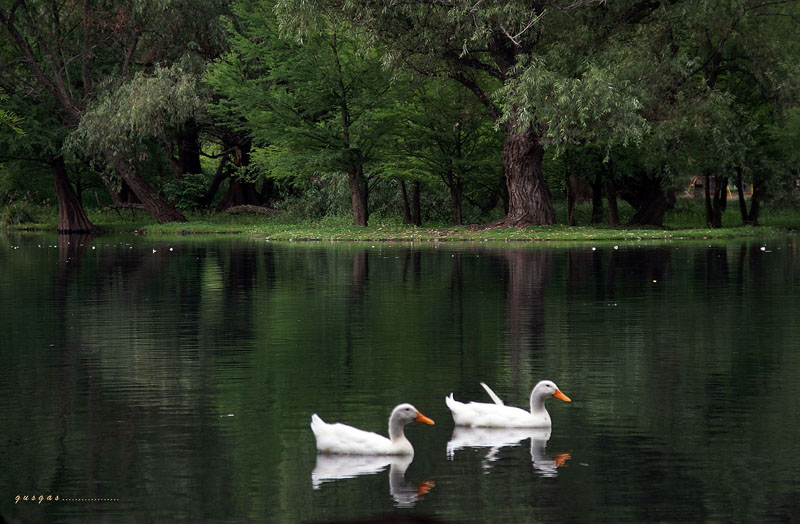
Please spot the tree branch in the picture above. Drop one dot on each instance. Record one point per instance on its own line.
(515, 39)
(55, 85)
(85, 54)
(470, 84)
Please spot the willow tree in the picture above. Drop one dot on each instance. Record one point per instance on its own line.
(64, 55)
(119, 125)
(36, 82)
(750, 55)
(712, 77)
(499, 50)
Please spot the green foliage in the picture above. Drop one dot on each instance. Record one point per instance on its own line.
(8, 118)
(122, 65)
(446, 138)
(18, 210)
(148, 107)
(573, 106)
(312, 108)
(187, 191)
(329, 106)
(17, 179)
(324, 195)
(777, 152)
(658, 90)
(43, 133)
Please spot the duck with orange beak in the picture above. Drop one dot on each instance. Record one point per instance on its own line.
(342, 439)
(498, 415)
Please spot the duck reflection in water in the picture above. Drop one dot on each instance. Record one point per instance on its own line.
(497, 438)
(336, 467)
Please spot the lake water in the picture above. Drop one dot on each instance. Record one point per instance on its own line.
(155, 380)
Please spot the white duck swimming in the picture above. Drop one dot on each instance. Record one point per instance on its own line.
(341, 439)
(498, 415)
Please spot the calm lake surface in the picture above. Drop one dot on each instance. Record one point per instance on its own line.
(153, 380)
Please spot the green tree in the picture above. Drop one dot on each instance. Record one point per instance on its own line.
(65, 56)
(712, 76)
(120, 124)
(312, 107)
(8, 118)
(27, 68)
(513, 56)
(447, 135)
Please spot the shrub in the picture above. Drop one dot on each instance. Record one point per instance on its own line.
(18, 211)
(186, 192)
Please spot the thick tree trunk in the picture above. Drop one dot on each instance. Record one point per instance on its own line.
(358, 195)
(240, 192)
(221, 174)
(715, 200)
(653, 210)
(121, 197)
(161, 210)
(529, 199)
(189, 149)
(648, 198)
(723, 192)
(405, 203)
(71, 215)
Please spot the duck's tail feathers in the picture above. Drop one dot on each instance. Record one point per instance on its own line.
(497, 400)
(316, 422)
(451, 402)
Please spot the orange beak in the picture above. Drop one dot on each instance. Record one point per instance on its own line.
(560, 396)
(561, 459)
(425, 486)
(422, 418)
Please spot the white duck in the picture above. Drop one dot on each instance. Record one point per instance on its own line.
(498, 415)
(341, 439)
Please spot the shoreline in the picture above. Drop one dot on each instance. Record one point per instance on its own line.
(324, 233)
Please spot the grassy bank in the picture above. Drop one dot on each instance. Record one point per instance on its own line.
(687, 221)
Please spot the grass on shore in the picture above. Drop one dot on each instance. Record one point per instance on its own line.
(687, 221)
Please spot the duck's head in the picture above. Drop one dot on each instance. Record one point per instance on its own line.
(406, 413)
(546, 389)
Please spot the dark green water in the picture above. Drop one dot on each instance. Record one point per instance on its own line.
(176, 379)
